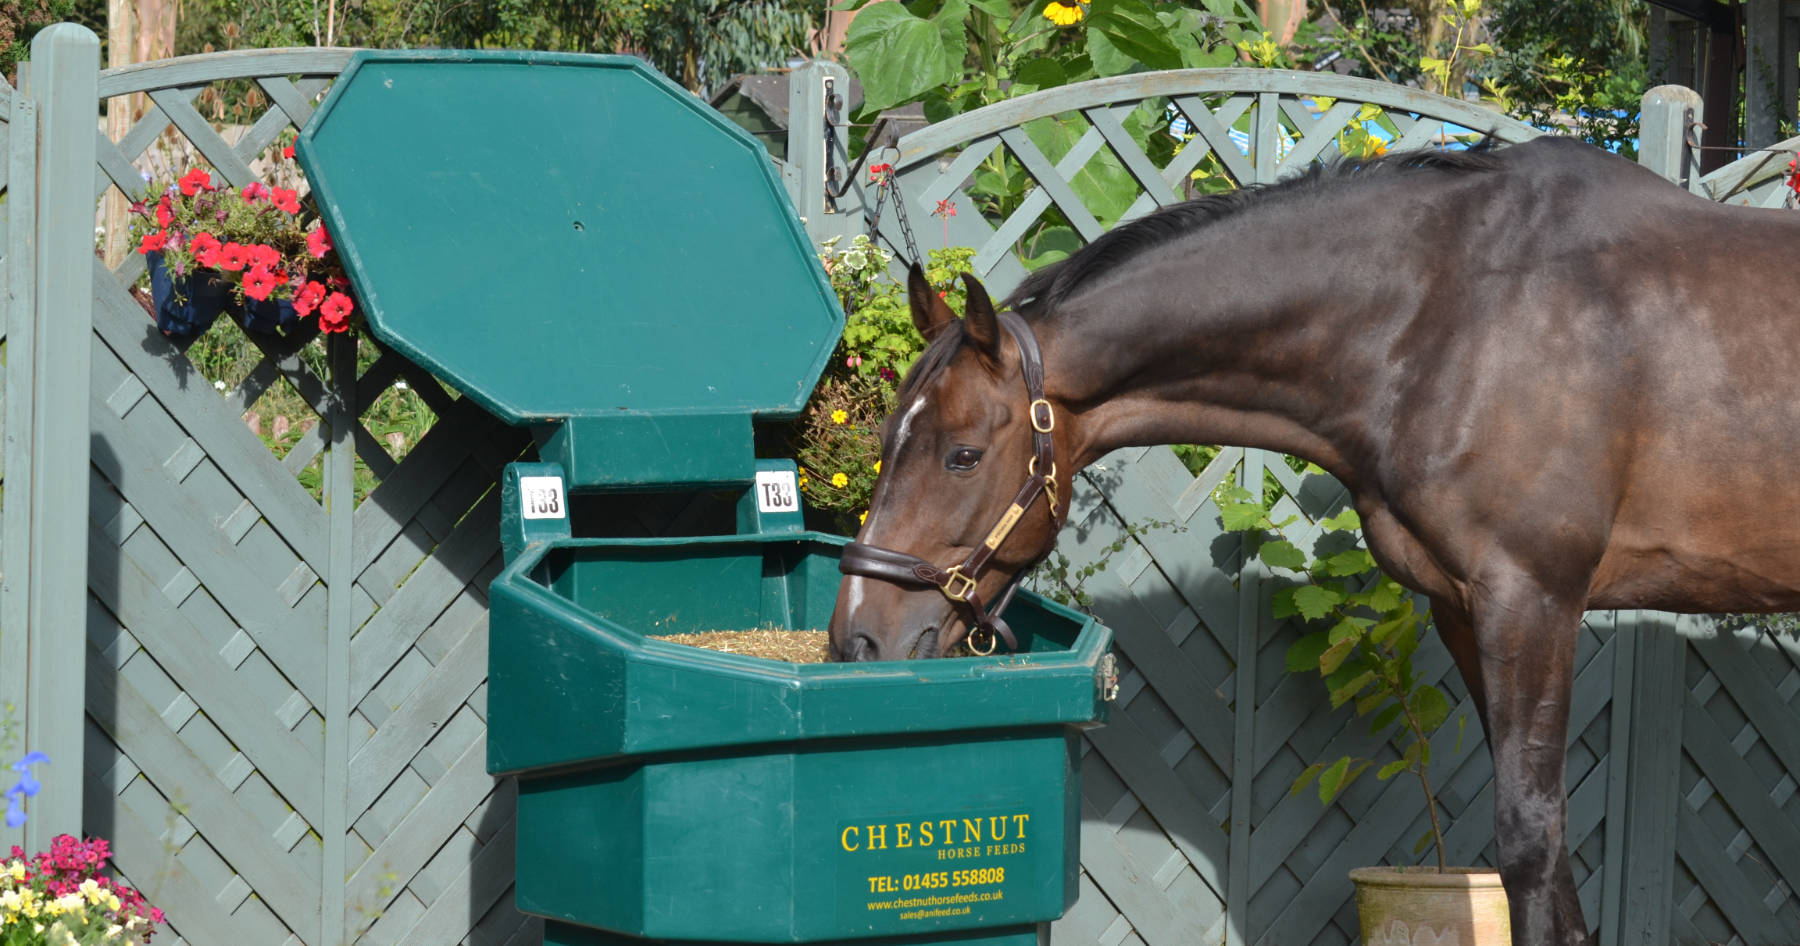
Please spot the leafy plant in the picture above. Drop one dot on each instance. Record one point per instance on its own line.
(837, 440)
(1365, 628)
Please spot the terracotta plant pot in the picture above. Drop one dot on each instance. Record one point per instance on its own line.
(1420, 907)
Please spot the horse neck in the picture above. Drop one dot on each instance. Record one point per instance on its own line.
(1257, 333)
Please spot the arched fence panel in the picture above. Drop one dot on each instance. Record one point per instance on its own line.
(280, 700)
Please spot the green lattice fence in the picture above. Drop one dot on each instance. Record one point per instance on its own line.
(285, 633)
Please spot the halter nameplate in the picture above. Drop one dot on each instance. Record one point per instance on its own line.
(1005, 526)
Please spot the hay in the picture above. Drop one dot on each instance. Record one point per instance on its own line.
(796, 647)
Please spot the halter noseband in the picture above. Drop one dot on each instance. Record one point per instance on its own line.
(958, 581)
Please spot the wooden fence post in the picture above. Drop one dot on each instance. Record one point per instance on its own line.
(1669, 113)
(810, 91)
(1643, 803)
(64, 84)
(15, 519)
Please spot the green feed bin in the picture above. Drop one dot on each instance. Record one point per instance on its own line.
(667, 793)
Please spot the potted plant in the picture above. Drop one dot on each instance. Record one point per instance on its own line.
(258, 253)
(1363, 654)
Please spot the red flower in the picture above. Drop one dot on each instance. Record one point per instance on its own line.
(288, 152)
(308, 298)
(256, 190)
(334, 315)
(318, 242)
(287, 200)
(877, 170)
(206, 249)
(154, 241)
(263, 255)
(195, 181)
(259, 282)
(164, 215)
(1793, 180)
(233, 256)
(945, 208)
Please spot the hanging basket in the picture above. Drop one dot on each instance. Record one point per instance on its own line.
(203, 295)
(1421, 907)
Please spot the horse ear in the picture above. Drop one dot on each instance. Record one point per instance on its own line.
(979, 318)
(929, 312)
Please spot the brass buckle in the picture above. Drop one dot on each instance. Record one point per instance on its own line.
(982, 633)
(951, 578)
(1049, 423)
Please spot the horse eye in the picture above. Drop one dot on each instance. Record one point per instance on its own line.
(962, 459)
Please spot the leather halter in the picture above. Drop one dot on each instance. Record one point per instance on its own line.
(958, 582)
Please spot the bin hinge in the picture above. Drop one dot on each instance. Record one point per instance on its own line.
(1106, 678)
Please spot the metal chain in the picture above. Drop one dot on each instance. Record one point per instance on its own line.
(912, 245)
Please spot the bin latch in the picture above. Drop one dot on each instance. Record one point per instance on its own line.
(1106, 678)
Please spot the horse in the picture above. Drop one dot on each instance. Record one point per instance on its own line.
(1547, 377)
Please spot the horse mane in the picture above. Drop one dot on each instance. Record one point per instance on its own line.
(936, 357)
(1053, 284)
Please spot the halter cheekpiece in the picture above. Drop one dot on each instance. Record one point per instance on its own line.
(958, 582)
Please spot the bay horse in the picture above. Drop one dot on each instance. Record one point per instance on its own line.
(1548, 378)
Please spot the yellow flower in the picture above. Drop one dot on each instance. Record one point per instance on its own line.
(1063, 15)
(803, 482)
(863, 518)
(878, 466)
(838, 417)
(839, 480)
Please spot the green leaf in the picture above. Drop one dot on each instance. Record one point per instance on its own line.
(1333, 657)
(1369, 701)
(1427, 63)
(1387, 595)
(1424, 842)
(1346, 521)
(1348, 628)
(1331, 781)
(1429, 707)
(1315, 601)
(1040, 73)
(1237, 517)
(1349, 562)
(1129, 29)
(1305, 777)
(1107, 57)
(1283, 554)
(1481, 48)
(1384, 719)
(998, 9)
(898, 55)
(1343, 694)
(1391, 769)
(1304, 654)
(1281, 604)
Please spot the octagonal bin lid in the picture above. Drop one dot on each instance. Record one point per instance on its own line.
(579, 244)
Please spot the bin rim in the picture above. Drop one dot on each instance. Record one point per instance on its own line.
(1093, 640)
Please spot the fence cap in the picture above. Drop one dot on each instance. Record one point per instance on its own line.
(577, 242)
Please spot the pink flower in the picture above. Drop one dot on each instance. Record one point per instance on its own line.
(256, 190)
(853, 361)
(318, 242)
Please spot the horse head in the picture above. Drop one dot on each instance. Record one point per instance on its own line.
(969, 496)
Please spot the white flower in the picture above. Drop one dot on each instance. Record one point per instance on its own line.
(218, 385)
(400, 386)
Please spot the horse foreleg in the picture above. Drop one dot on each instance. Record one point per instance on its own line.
(1524, 637)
